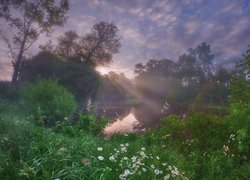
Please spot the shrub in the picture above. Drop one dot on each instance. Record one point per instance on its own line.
(50, 102)
(89, 123)
(8, 91)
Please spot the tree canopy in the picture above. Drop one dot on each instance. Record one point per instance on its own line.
(26, 20)
(96, 47)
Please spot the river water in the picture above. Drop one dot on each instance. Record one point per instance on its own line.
(129, 120)
(127, 124)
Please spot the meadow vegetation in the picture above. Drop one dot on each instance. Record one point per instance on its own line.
(40, 139)
(46, 132)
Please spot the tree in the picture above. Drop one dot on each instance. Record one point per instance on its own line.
(81, 79)
(139, 69)
(26, 20)
(204, 60)
(187, 69)
(100, 44)
(67, 45)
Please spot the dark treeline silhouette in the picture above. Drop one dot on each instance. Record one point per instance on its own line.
(191, 81)
(96, 47)
(72, 61)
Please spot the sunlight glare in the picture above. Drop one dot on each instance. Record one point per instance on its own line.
(102, 70)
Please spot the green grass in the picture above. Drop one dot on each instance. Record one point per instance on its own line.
(28, 151)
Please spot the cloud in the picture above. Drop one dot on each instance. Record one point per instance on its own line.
(81, 24)
(164, 28)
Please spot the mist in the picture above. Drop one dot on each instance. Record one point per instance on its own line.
(124, 89)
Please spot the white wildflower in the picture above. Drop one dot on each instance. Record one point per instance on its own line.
(123, 149)
(99, 149)
(166, 177)
(157, 171)
(133, 158)
(111, 158)
(100, 158)
(126, 172)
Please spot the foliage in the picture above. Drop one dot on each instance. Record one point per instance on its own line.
(67, 45)
(89, 123)
(98, 46)
(80, 78)
(239, 99)
(7, 91)
(49, 102)
(114, 88)
(26, 20)
(32, 152)
(95, 48)
(141, 164)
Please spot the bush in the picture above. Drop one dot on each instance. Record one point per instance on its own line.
(8, 91)
(89, 123)
(50, 102)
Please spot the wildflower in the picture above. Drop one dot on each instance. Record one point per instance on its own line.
(164, 164)
(123, 149)
(152, 166)
(133, 158)
(143, 154)
(100, 158)
(121, 176)
(143, 149)
(144, 169)
(127, 144)
(126, 172)
(122, 145)
(111, 158)
(99, 149)
(157, 171)
(166, 177)
(157, 157)
(125, 158)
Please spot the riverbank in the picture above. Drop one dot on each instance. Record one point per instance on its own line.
(202, 147)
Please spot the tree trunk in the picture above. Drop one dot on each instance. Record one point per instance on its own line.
(17, 64)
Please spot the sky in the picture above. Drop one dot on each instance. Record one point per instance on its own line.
(156, 29)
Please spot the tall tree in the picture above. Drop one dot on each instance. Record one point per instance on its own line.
(187, 69)
(205, 60)
(100, 44)
(26, 20)
(67, 45)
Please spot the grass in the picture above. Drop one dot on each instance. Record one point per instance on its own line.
(28, 151)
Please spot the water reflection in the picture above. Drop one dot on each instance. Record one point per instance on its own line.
(132, 119)
(127, 124)
(126, 119)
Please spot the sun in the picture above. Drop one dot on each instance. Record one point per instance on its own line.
(102, 70)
